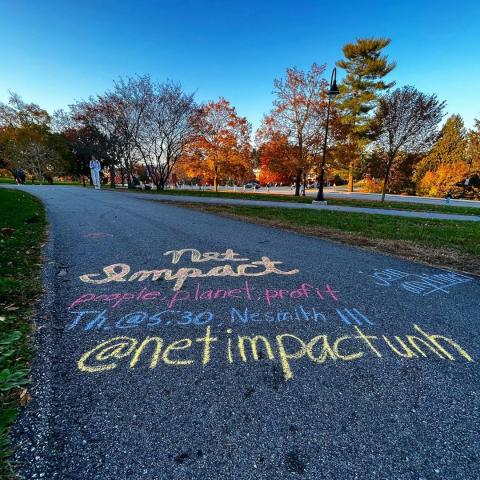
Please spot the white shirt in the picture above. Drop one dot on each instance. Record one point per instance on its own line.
(95, 165)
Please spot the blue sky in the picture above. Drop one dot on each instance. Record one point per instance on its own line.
(56, 52)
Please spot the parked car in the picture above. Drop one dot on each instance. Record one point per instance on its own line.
(253, 185)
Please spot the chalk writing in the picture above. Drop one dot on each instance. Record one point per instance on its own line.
(199, 294)
(285, 348)
(299, 314)
(352, 316)
(304, 291)
(88, 320)
(387, 276)
(424, 284)
(120, 272)
(197, 257)
(244, 291)
(226, 346)
(99, 319)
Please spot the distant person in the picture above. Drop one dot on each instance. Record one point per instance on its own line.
(19, 177)
(135, 181)
(95, 168)
(448, 197)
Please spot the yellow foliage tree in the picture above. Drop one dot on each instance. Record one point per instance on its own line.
(222, 148)
(446, 178)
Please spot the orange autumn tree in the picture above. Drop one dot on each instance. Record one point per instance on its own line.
(222, 148)
(445, 179)
(278, 158)
(297, 117)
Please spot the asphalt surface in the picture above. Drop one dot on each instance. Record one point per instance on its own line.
(310, 206)
(319, 400)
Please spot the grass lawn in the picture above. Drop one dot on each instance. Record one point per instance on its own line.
(419, 207)
(28, 182)
(447, 243)
(22, 232)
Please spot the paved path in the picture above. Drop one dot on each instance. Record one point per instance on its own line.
(309, 206)
(164, 379)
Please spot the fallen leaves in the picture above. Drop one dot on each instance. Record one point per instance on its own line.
(7, 231)
(25, 397)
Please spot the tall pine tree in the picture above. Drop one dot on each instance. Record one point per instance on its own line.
(449, 149)
(473, 139)
(365, 68)
(446, 167)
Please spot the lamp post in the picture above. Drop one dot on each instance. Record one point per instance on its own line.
(331, 92)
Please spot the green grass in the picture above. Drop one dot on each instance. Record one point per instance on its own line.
(29, 182)
(419, 207)
(459, 235)
(22, 231)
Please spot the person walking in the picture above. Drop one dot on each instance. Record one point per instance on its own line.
(95, 168)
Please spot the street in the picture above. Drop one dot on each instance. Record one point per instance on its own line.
(176, 344)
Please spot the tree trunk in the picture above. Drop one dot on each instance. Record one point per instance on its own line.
(298, 180)
(350, 176)
(130, 185)
(112, 176)
(304, 183)
(385, 180)
(384, 189)
(128, 172)
(215, 171)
